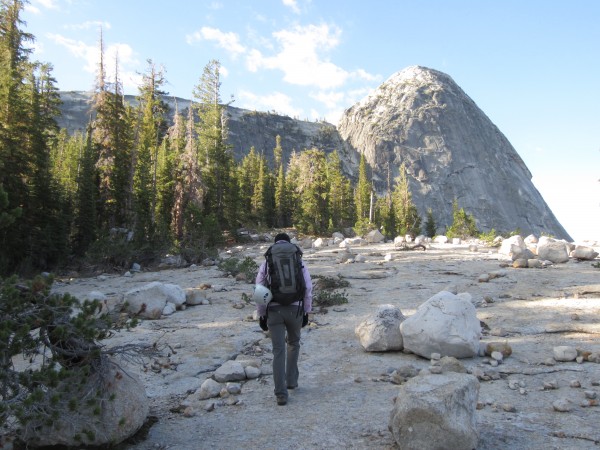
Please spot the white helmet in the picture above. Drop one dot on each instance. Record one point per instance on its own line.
(262, 295)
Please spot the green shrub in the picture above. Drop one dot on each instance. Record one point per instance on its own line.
(327, 295)
(330, 298)
(463, 224)
(233, 266)
(488, 237)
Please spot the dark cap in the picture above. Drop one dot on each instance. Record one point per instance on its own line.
(282, 237)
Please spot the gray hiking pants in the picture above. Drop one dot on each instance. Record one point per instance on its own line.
(282, 320)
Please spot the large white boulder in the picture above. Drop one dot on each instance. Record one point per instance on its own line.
(506, 248)
(436, 412)
(149, 301)
(120, 406)
(584, 252)
(446, 324)
(381, 333)
(374, 237)
(554, 251)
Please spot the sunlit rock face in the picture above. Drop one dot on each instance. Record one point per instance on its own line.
(451, 150)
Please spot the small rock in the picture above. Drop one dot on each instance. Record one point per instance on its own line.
(210, 406)
(435, 370)
(550, 385)
(234, 388)
(575, 384)
(189, 412)
(500, 332)
(564, 353)
(562, 405)
(497, 356)
(507, 407)
(590, 395)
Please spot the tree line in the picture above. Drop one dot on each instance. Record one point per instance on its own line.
(137, 183)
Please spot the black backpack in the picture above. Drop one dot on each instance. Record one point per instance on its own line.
(284, 263)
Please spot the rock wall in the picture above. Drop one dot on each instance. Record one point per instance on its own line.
(451, 150)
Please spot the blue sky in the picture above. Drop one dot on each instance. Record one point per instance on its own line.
(532, 66)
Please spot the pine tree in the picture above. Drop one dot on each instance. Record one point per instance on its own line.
(112, 139)
(189, 192)
(47, 235)
(84, 226)
(263, 197)
(28, 106)
(152, 111)
(311, 214)
(406, 214)
(281, 194)
(430, 225)
(341, 202)
(215, 153)
(463, 224)
(362, 198)
(247, 178)
(16, 168)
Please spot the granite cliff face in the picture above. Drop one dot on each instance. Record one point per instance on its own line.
(419, 117)
(451, 149)
(246, 128)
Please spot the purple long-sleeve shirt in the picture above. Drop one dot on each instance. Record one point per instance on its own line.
(261, 278)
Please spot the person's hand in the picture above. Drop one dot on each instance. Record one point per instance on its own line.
(262, 321)
(304, 320)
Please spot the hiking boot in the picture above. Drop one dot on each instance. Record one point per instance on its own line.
(281, 400)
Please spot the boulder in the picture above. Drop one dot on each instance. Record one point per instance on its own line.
(230, 371)
(195, 297)
(436, 412)
(121, 410)
(149, 301)
(583, 252)
(209, 389)
(446, 324)
(319, 243)
(554, 251)
(381, 333)
(521, 253)
(506, 248)
(374, 237)
(440, 240)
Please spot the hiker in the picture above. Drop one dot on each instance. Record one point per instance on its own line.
(287, 312)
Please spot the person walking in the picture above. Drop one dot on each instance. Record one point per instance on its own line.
(286, 275)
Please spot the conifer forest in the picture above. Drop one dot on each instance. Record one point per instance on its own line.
(137, 185)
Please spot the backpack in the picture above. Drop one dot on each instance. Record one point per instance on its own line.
(284, 263)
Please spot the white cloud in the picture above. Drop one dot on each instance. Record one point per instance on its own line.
(32, 9)
(293, 4)
(48, 4)
(329, 99)
(302, 57)
(89, 24)
(278, 102)
(228, 41)
(79, 49)
(364, 75)
(90, 55)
